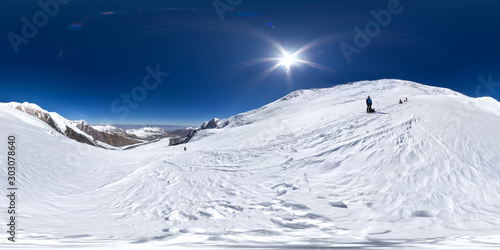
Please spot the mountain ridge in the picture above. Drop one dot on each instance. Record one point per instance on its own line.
(79, 130)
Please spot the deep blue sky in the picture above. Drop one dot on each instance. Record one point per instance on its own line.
(91, 52)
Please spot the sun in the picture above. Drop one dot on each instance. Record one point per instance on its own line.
(288, 60)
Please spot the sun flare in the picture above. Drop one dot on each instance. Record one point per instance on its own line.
(288, 60)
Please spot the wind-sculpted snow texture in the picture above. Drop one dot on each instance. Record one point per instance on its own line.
(309, 170)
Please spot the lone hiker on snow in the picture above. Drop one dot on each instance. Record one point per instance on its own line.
(368, 105)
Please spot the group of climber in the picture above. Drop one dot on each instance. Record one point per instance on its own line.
(369, 103)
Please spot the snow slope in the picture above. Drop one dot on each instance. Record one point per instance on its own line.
(311, 169)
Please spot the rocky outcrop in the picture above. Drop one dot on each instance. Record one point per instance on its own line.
(110, 139)
(72, 134)
(212, 124)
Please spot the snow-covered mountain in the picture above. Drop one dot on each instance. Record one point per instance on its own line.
(215, 123)
(79, 131)
(110, 130)
(147, 133)
(309, 170)
(116, 138)
(56, 121)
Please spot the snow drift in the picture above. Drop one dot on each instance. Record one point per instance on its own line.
(311, 169)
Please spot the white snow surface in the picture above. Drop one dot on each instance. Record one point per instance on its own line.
(309, 170)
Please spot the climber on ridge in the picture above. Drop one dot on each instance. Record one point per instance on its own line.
(369, 105)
